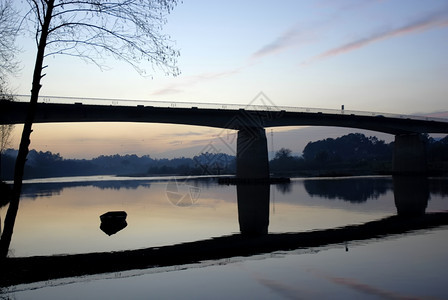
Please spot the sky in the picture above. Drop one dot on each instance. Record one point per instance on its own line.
(368, 55)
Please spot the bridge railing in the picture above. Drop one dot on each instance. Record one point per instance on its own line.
(224, 106)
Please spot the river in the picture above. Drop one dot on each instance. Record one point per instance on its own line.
(61, 216)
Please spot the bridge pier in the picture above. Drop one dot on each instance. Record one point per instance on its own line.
(252, 154)
(409, 154)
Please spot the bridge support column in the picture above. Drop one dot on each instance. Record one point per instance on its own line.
(409, 154)
(252, 154)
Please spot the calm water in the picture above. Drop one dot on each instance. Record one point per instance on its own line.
(61, 216)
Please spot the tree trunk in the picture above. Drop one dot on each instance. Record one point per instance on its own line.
(1, 174)
(11, 214)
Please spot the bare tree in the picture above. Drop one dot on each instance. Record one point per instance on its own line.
(8, 33)
(8, 63)
(129, 30)
(8, 66)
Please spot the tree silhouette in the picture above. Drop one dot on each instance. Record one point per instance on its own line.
(8, 34)
(351, 148)
(8, 63)
(283, 153)
(284, 161)
(129, 30)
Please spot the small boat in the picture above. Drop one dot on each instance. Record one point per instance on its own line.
(114, 216)
(113, 221)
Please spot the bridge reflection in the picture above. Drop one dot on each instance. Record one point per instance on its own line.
(411, 197)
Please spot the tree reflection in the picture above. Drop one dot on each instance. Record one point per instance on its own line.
(283, 188)
(356, 190)
(438, 186)
(35, 190)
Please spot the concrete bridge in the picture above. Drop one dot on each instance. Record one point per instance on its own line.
(250, 121)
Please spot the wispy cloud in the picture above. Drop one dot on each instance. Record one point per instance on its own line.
(432, 20)
(190, 133)
(189, 81)
(301, 34)
(343, 6)
(291, 38)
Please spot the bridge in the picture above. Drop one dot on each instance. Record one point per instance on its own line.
(250, 121)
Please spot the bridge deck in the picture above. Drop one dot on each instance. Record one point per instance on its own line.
(214, 115)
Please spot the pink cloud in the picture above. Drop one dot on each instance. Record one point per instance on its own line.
(437, 19)
(300, 35)
(290, 38)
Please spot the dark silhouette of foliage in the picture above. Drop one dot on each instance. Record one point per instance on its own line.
(46, 164)
(353, 154)
(285, 162)
(353, 147)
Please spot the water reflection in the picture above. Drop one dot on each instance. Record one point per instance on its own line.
(253, 208)
(411, 193)
(283, 188)
(32, 269)
(36, 190)
(411, 196)
(439, 186)
(355, 190)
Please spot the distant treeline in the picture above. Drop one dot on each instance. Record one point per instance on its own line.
(353, 154)
(347, 155)
(46, 164)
